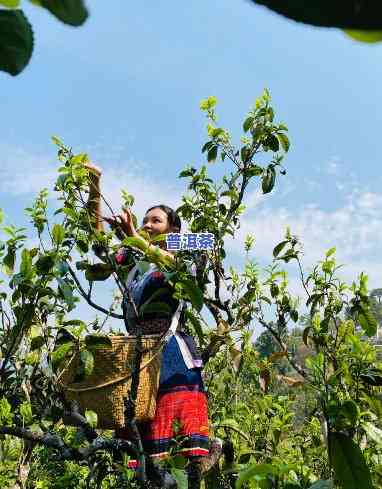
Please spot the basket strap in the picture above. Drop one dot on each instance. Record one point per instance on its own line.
(175, 321)
(114, 381)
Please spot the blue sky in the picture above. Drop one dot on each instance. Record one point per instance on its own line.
(126, 88)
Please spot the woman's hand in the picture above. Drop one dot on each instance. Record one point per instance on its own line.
(94, 170)
(124, 221)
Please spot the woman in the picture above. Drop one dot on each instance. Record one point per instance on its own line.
(181, 412)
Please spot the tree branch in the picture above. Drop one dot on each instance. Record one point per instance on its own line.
(284, 348)
(88, 299)
(52, 440)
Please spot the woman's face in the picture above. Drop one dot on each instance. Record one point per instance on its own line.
(155, 222)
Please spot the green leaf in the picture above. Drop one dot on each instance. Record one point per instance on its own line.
(273, 143)
(16, 41)
(66, 291)
(349, 464)
(254, 470)
(194, 293)
(181, 478)
(364, 36)
(207, 146)
(94, 342)
(98, 272)
(216, 132)
(355, 14)
(212, 154)
(58, 234)
(208, 103)
(178, 462)
(367, 320)
(91, 418)
(26, 412)
(372, 376)
(86, 366)
(9, 261)
(294, 315)
(37, 342)
(62, 268)
(349, 409)
(80, 158)
(278, 248)
(245, 154)
(71, 12)
(330, 252)
(373, 432)
(323, 484)
(134, 242)
(248, 123)
(57, 141)
(26, 263)
(254, 171)
(75, 322)
(60, 354)
(32, 358)
(5, 412)
(284, 141)
(188, 172)
(268, 179)
(196, 325)
(159, 307)
(274, 288)
(10, 3)
(44, 264)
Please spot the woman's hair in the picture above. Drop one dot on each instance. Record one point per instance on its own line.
(173, 219)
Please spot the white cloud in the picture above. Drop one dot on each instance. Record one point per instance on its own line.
(334, 165)
(354, 228)
(24, 172)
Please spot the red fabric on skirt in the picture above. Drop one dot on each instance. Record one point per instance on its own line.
(180, 425)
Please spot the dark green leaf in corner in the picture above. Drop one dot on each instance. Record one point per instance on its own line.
(364, 36)
(10, 3)
(16, 41)
(71, 12)
(349, 464)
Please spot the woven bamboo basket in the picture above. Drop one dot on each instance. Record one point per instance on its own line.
(105, 390)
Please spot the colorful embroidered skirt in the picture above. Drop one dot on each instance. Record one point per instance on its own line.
(181, 420)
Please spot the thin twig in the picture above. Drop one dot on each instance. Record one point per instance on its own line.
(88, 300)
